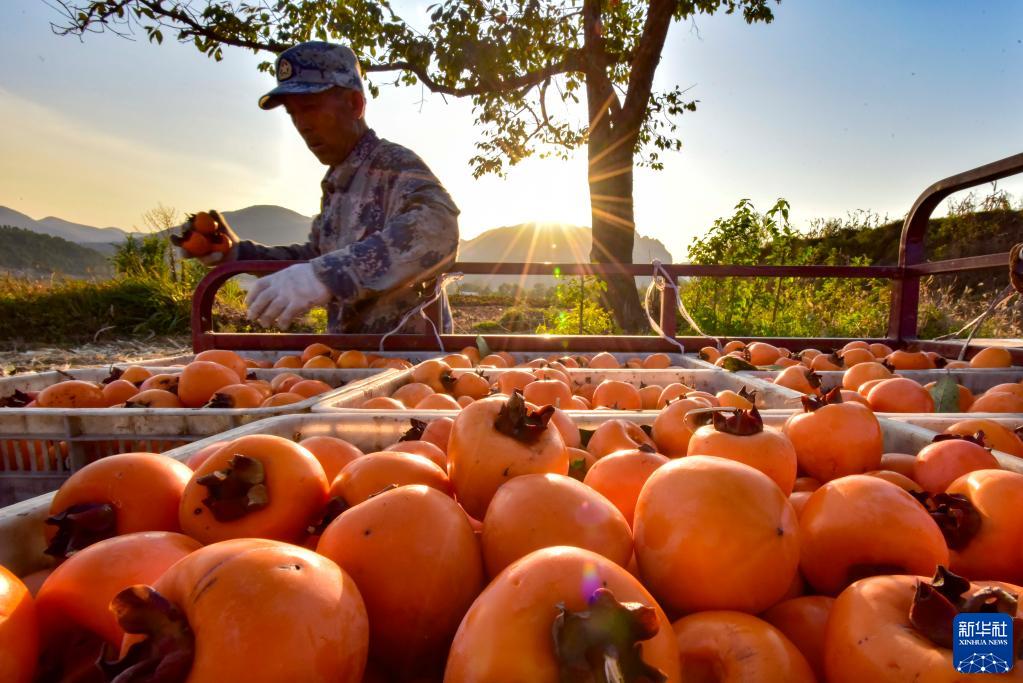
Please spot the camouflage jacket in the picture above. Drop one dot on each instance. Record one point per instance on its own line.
(386, 228)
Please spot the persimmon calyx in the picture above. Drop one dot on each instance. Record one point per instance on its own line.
(604, 643)
(739, 422)
(748, 394)
(19, 399)
(335, 506)
(955, 515)
(166, 653)
(415, 432)
(812, 403)
(115, 374)
(79, 526)
(936, 605)
(236, 490)
(220, 400)
(520, 423)
(447, 380)
(815, 381)
(977, 438)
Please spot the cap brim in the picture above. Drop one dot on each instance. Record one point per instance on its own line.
(272, 98)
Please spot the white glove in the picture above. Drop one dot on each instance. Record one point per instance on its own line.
(283, 296)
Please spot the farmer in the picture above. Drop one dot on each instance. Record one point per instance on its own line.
(386, 227)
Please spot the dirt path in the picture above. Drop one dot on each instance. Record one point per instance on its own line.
(22, 358)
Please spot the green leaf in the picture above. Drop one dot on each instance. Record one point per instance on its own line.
(482, 346)
(945, 393)
(733, 364)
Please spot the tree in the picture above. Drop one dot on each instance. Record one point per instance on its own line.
(513, 58)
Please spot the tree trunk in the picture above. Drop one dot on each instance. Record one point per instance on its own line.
(614, 230)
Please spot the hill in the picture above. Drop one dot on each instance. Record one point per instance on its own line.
(30, 253)
(58, 227)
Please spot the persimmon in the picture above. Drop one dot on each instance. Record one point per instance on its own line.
(412, 393)
(579, 462)
(72, 393)
(229, 359)
(113, 496)
(620, 476)
(547, 392)
(880, 350)
(617, 395)
(657, 361)
(438, 432)
(472, 353)
(262, 386)
(302, 617)
(332, 453)
(709, 354)
(352, 360)
(899, 395)
(494, 361)
(805, 484)
(286, 398)
(118, 391)
(603, 361)
(897, 478)
(257, 486)
(495, 439)
(761, 353)
(992, 357)
(896, 629)
(855, 356)
(78, 592)
(671, 432)
(833, 439)
(672, 392)
(799, 379)
(578, 403)
(854, 397)
(859, 526)
(741, 436)
(707, 399)
(798, 501)
(193, 242)
(855, 344)
(803, 620)
(1014, 388)
(308, 388)
(553, 373)
(585, 389)
(617, 435)
(316, 350)
(543, 510)
(284, 381)
(201, 379)
(471, 384)
(734, 345)
(648, 395)
(435, 374)
(997, 403)
(319, 363)
(415, 596)
(512, 380)
(19, 636)
(154, 398)
(236, 396)
(293, 362)
(864, 372)
(715, 534)
(807, 355)
(734, 646)
(903, 463)
(909, 360)
(464, 401)
(383, 403)
(744, 399)
(567, 427)
(203, 454)
(367, 476)
(438, 402)
(554, 591)
(135, 374)
(996, 435)
(992, 526)
(784, 362)
(825, 362)
(949, 457)
(957, 365)
(427, 449)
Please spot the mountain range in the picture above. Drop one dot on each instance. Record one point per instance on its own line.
(533, 242)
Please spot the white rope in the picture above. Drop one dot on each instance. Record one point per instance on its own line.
(438, 292)
(663, 280)
(653, 323)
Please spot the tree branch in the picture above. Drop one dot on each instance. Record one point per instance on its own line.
(573, 62)
(648, 55)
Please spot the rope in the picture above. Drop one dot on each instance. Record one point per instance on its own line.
(438, 292)
(663, 280)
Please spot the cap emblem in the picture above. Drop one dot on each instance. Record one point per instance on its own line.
(284, 70)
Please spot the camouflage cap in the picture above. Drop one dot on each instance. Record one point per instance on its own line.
(313, 67)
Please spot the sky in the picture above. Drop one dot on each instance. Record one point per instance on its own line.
(836, 106)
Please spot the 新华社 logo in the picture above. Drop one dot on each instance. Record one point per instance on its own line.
(982, 643)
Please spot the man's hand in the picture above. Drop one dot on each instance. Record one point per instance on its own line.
(283, 296)
(224, 233)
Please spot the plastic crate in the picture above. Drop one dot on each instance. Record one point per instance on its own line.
(41, 447)
(770, 396)
(22, 524)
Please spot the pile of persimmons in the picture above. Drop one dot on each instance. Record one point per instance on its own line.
(505, 545)
(214, 379)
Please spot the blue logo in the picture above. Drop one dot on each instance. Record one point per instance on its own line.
(982, 643)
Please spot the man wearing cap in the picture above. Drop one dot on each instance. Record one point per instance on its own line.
(386, 227)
